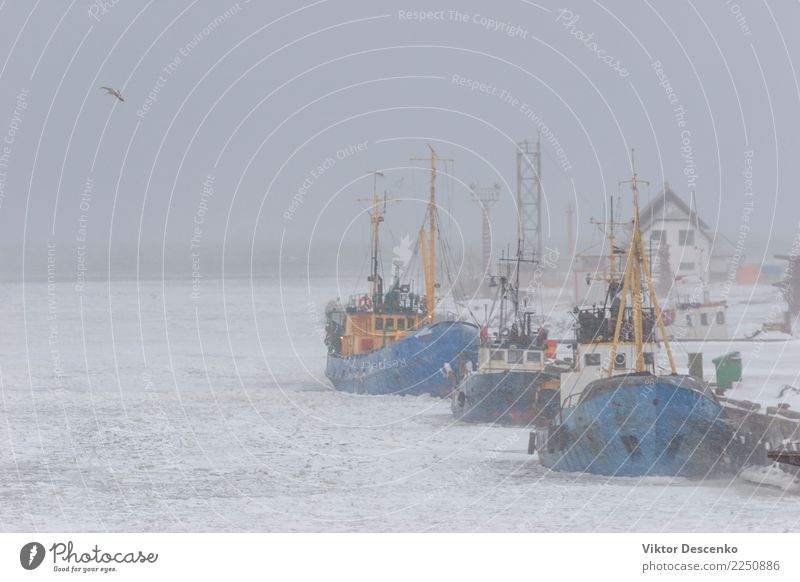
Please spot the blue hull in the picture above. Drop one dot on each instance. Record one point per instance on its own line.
(412, 366)
(505, 397)
(641, 425)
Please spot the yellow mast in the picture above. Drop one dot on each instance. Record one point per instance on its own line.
(429, 248)
(430, 279)
(424, 250)
(636, 269)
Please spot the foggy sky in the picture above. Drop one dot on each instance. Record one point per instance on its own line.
(242, 122)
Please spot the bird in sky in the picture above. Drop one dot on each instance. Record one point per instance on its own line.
(114, 92)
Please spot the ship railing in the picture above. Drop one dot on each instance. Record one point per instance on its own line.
(597, 324)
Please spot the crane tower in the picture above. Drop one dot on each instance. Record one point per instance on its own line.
(529, 197)
(485, 197)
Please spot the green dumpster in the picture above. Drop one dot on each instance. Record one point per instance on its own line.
(729, 369)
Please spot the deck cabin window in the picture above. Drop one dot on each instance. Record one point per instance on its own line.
(689, 320)
(401, 323)
(721, 317)
(410, 322)
(379, 323)
(592, 359)
(534, 356)
(515, 356)
(499, 356)
(704, 319)
(620, 362)
(648, 358)
(389, 323)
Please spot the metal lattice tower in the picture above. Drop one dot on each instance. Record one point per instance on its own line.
(529, 197)
(485, 198)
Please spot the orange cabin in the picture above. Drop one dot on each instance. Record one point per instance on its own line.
(366, 332)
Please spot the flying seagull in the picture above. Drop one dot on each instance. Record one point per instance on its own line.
(787, 388)
(114, 92)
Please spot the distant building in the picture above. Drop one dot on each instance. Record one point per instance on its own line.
(692, 248)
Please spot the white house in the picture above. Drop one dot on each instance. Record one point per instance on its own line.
(674, 231)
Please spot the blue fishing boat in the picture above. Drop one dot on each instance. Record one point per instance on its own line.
(393, 341)
(512, 396)
(425, 361)
(640, 424)
(618, 416)
(514, 383)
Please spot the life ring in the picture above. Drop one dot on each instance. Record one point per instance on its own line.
(551, 349)
(668, 316)
(364, 303)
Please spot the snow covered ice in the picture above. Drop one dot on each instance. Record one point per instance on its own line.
(132, 407)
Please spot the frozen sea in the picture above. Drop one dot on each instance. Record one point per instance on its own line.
(134, 406)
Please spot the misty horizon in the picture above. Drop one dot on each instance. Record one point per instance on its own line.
(265, 162)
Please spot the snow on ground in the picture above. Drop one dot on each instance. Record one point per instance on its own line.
(771, 475)
(133, 407)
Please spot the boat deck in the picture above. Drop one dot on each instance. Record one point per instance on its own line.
(787, 457)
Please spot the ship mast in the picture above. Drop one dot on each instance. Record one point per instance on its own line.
(428, 247)
(376, 217)
(430, 277)
(611, 238)
(637, 270)
(512, 288)
(614, 271)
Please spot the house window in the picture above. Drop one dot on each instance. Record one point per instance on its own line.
(704, 319)
(721, 317)
(686, 238)
(379, 323)
(657, 236)
(686, 266)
